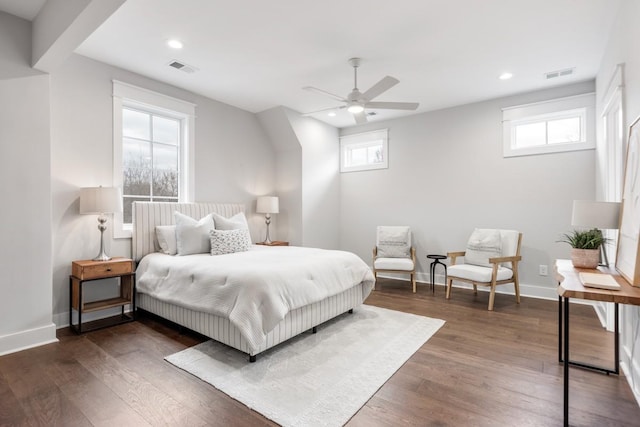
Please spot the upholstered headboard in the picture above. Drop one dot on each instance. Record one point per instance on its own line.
(146, 215)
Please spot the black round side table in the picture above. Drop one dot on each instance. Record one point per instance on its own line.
(432, 270)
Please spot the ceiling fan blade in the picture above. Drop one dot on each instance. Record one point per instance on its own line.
(361, 117)
(324, 92)
(310, 113)
(393, 105)
(382, 86)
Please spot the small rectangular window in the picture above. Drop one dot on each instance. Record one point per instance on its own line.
(364, 151)
(550, 126)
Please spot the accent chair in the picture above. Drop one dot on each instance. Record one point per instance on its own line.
(393, 252)
(491, 259)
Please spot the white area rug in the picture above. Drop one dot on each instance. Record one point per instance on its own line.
(318, 379)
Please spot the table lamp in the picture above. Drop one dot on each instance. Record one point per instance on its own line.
(101, 201)
(599, 215)
(267, 205)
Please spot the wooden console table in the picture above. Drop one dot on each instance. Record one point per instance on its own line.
(570, 286)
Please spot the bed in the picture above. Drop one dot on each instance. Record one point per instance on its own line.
(331, 283)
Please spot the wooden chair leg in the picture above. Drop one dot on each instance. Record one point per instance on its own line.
(492, 296)
(413, 282)
(375, 278)
(517, 286)
(448, 293)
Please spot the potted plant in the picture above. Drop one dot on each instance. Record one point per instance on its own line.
(586, 247)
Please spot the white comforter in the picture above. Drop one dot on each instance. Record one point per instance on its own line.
(253, 289)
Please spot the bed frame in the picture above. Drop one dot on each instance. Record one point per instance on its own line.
(146, 215)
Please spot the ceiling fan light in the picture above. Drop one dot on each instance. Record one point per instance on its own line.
(355, 108)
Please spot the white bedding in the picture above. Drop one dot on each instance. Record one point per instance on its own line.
(253, 289)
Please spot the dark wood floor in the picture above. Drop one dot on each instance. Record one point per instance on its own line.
(481, 369)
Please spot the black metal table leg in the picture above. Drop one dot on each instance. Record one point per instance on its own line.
(617, 340)
(559, 329)
(566, 362)
(432, 274)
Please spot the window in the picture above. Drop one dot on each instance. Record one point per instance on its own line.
(564, 124)
(364, 151)
(150, 158)
(153, 139)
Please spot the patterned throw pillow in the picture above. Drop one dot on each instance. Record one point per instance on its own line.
(229, 241)
(483, 244)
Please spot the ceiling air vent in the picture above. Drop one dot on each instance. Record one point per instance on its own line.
(559, 73)
(182, 66)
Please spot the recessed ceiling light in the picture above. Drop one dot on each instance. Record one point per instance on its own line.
(505, 76)
(174, 44)
(332, 114)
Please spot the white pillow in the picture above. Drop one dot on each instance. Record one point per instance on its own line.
(229, 241)
(393, 241)
(236, 222)
(483, 244)
(192, 237)
(166, 235)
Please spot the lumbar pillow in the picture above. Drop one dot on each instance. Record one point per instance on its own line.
(166, 235)
(394, 242)
(192, 236)
(229, 241)
(483, 244)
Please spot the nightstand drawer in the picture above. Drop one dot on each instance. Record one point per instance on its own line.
(86, 270)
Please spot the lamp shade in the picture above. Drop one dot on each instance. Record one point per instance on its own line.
(99, 200)
(588, 213)
(267, 205)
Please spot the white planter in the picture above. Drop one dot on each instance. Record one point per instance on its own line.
(585, 258)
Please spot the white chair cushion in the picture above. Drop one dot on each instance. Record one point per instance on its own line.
(478, 273)
(404, 264)
(393, 241)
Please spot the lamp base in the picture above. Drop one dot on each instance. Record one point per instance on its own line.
(102, 255)
(267, 221)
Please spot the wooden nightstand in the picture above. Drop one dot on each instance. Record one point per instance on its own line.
(274, 243)
(85, 271)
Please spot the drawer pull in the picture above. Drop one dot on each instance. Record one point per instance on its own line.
(108, 269)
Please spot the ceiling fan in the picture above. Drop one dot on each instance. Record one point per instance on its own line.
(356, 102)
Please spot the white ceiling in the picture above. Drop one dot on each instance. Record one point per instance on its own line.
(259, 54)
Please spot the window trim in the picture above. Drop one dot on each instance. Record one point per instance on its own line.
(126, 95)
(364, 139)
(554, 109)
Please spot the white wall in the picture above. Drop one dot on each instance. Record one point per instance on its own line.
(287, 224)
(25, 218)
(307, 178)
(234, 161)
(320, 180)
(622, 49)
(447, 175)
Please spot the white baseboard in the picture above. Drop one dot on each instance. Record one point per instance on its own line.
(526, 290)
(29, 338)
(61, 320)
(631, 373)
